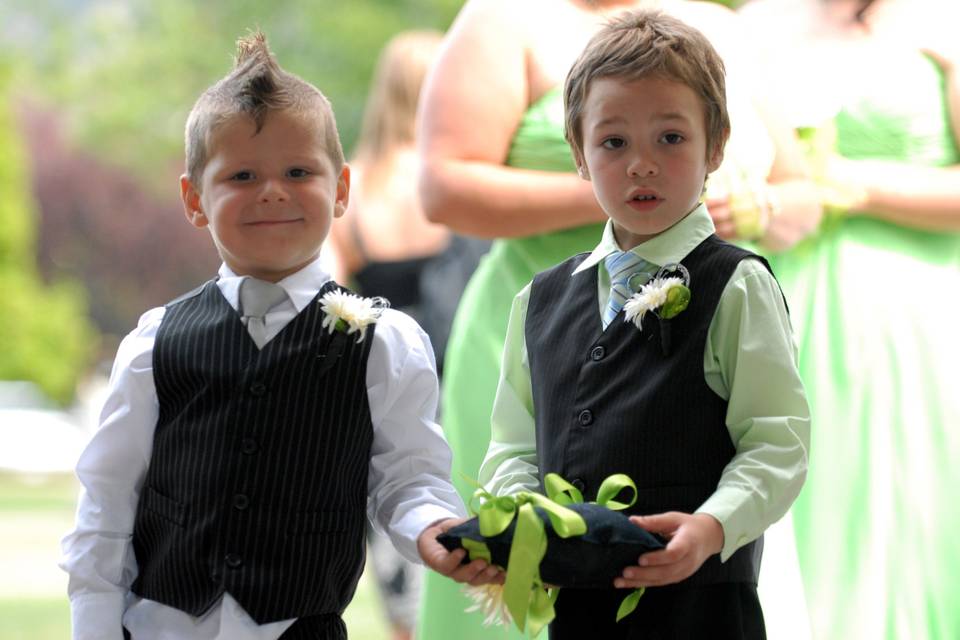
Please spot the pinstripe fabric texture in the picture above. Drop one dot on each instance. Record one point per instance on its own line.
(258, 476)
(618, 405)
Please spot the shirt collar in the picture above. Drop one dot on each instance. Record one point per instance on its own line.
(301, 287)
(672, 245)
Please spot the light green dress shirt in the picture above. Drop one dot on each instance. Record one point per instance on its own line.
(750, 360)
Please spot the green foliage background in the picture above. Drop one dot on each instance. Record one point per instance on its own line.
(44, 332)
(127, 73)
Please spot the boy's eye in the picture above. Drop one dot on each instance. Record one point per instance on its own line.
(242, 176)
(298, 173)
(671, 138)
(613, 143)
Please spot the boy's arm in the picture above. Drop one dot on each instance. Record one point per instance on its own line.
(511, 461)
(409, 484)
(751, 360)
(98, 553)
(410, 493)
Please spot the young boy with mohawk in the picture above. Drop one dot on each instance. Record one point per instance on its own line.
(253, 423)
(697, 398)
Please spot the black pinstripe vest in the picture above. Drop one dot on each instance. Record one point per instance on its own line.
(611, 402)
(257, 483)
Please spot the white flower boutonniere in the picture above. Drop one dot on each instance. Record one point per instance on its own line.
(665, 296)
(350, 313)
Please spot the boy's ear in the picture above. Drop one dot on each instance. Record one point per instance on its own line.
(343, 192)
(715, 158)
(582, 170)
(191, 203)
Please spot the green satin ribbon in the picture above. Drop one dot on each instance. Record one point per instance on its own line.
(629, 603)
(610, 489)
(528, 600)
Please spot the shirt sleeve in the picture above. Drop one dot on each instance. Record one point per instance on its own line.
(751, 361)
(511, 463)
(98, 552)
(409, 480)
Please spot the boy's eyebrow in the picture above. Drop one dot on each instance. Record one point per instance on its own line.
(672, 115)
(666, 116)
(610, 120)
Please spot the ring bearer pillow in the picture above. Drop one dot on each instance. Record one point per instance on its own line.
(553, 541)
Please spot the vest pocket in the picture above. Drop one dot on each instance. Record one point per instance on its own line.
(685, 498)
(327, 521)
(167, 508)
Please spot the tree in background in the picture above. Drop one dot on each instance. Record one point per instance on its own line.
(125, 74)
(45, 336)
(130, 243)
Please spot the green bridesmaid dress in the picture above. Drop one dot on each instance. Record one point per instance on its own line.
(472, 364)
(876, 307)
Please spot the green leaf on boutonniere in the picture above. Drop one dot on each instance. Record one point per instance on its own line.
(678, 297)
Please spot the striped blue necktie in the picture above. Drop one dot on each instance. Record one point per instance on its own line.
(628, 272)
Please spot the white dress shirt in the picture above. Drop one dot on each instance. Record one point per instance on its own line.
(408, 485)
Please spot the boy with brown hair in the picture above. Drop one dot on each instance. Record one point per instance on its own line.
(253, 423)
(679, 367)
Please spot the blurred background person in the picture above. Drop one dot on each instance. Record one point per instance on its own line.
(496, 165)
(874, 84)
(385, 246)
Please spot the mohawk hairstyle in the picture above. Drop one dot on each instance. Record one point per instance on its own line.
(254, 87)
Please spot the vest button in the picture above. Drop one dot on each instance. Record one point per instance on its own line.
(578, 483)
(258, 389)
(586, 417)
(233, 561)
(249, 446)
(240, 502)
(598, 353)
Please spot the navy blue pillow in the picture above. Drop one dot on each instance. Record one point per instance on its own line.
(592, 560)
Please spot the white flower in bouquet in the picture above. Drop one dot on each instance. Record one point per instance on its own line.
(488, 598)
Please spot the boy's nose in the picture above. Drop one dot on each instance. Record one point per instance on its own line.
(642, 166)
(272, 191)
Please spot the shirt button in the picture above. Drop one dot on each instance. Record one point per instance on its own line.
(258, 389)
(586, 417)
(249, 446)
(598, 353)
(240, 502)
(233, 561)
(578, 483)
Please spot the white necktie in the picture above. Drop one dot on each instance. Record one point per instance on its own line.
(257, 297)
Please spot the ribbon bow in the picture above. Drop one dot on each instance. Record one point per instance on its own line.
(526, 597)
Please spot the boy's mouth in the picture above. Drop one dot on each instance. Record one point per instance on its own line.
(643, 200)
(270, 223)
(642, 196)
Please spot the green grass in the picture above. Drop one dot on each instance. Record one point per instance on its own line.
(35, 512)
(34, 618)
